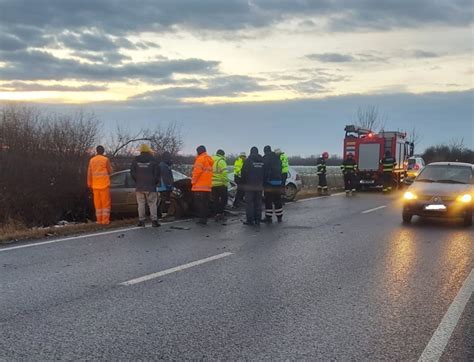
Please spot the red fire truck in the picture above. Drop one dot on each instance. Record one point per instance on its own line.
(369, 149)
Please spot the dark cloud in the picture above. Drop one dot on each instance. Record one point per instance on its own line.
(40, 65)
(37, 87)
(10, 42)
(88, 41)
(224, 86)
(102, 57)
(425, 54)
(119, 18)
(309, 87)
(374, 57)
(331, 57)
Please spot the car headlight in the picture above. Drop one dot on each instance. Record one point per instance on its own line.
(465, 198)
(409, 196)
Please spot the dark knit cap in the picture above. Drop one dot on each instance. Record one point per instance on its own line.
(220, 152)
(201, 149)
(254, 151)
(267, 149)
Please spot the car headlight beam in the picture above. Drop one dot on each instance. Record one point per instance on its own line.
(409, 196)
(465, 198)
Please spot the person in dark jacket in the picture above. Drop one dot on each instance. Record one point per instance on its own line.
(145, 172)
(349, 169)
(321, 171)
(252, 182)
(388, 164)
(272, 185)
(166, 182)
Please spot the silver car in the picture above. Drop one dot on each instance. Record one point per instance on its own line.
(293, 185)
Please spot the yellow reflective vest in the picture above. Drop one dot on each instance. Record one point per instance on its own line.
(219, 171)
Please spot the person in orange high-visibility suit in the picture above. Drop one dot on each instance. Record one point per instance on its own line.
(202, 183)
(98, 179)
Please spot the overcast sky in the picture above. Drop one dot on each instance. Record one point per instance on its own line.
(234, 73)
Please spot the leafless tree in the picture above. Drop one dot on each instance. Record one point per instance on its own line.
(457, 144)
(124, 142)
(370, 118)
(415, 136)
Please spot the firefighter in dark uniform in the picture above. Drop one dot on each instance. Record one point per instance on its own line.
(272, 185)
(349, 168)
(388, 164)
(321, 171)
(252, 183)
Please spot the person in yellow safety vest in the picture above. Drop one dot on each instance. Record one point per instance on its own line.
(219, 185)
(285, 168)
(239, 163)
(98, 180)
(388, 163)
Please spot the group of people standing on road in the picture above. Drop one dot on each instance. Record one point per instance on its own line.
(257, 177)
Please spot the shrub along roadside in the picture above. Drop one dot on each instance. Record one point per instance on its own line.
(43, 164)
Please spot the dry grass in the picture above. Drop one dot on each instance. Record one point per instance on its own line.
(13, 232)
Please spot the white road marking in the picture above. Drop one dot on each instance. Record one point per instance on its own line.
(82, 236)
(438, 342)
(174, 270)
(374, 209)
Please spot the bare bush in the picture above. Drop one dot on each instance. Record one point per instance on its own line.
(43, 163)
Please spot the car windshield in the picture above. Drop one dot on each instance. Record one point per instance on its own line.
(446, 174)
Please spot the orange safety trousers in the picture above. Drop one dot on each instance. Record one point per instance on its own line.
(102, 205)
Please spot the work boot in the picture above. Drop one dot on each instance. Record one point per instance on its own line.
(248, 223)
(141, 223)
(155, 223)
(320, 192)
(280, 219)
(267, 220)
(257, 222)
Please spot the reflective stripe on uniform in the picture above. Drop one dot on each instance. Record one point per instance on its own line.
(201, 188)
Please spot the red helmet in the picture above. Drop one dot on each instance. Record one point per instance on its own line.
(350, 154)
(325, 155)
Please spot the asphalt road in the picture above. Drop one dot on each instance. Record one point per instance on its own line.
(341, 278)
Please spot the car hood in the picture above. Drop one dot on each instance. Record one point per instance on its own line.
(440, 189)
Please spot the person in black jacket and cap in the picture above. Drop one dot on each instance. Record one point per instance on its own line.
(145, 172)
(272, 185)
(252, 182)
(166, 182)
